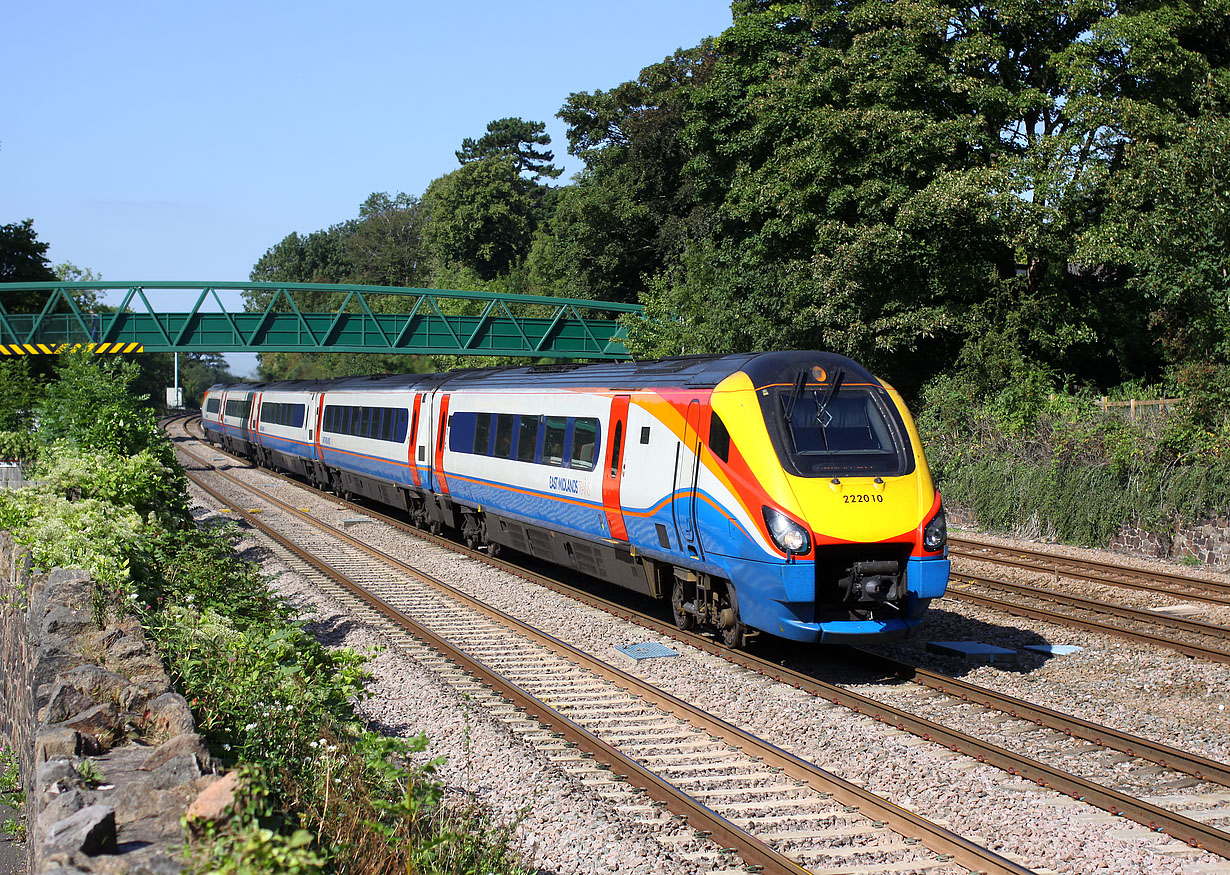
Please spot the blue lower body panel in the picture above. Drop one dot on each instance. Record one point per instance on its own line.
(779, 599)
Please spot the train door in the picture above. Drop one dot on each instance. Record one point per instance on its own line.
(416, 453)
(441, 484)
(255, 427)
(613, 472)
(687, 469)
(318, 405)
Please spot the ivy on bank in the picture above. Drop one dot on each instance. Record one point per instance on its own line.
(1038, 461)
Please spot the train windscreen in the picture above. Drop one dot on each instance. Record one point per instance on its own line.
(838, 430)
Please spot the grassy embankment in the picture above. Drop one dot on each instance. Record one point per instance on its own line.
(322, 792)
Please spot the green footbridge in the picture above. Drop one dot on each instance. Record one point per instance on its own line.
(311, 317)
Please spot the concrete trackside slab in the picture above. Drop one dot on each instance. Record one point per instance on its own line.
(972, 651)
(647, 650)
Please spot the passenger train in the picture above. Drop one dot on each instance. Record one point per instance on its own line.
(782, 492)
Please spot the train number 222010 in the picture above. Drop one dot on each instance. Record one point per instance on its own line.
(863, 499)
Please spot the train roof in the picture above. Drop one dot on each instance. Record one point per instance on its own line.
(693, 372)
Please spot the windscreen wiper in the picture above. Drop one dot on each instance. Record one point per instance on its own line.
(828, 396)
(796, 393)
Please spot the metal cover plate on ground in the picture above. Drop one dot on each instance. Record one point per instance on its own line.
(647, 650)
(1054, 649)
(974, 651)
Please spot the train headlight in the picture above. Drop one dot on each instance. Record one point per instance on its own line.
(787, 534)
(935, 534)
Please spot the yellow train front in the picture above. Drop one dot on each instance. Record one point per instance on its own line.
(817, 505)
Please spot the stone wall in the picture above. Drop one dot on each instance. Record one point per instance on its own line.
(109, 754)
(1208, 541)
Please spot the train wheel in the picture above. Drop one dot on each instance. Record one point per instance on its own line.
(730, 628)
(683, 619)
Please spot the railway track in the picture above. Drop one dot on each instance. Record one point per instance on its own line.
(1212, 646)
(778, 812)
(1142, 811)
(1094, 571)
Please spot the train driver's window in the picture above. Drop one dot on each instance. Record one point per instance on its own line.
(719, 438)
(527, 437)
(553, 441)
(584, 444)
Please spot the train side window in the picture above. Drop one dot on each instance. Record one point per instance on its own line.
(644, 434)
(329, 417)
(719, 438)
(399, 433)
(386, 423)
(482, 434)
(527, 438)
(553, 440)
(211, 406)
(503, 435)
(365, 421)
(347, 413)
(617, 444)
(584, 444)
(300, 415)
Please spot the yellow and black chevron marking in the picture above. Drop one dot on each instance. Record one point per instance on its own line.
(55, 349)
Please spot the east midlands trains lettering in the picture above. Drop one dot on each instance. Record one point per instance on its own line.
(783, 493)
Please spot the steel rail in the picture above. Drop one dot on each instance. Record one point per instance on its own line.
(1212, 630)
(936, 838)
(1019, 610)
(752, 850)
(1176, 825)
(1211, 591)
(1104, 736)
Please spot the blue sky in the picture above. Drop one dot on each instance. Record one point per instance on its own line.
(177, 141)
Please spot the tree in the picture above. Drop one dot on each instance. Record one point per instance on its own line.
(514, 138)
(92, 406)
(632, 210)
(386, 247)
(23, 259)
(22, 393)
(481, 216)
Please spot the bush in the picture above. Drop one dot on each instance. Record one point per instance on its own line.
(322, 791)
(1037, 461)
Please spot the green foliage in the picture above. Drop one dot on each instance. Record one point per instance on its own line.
(21, 396)
(481, 216)
(90, 534)
(514, 138)
(256, 850)
(23, 258)
(11, 794)
(142, 482)
(199, 371)
(1036, 461)
(16, 445)
(92, 407)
